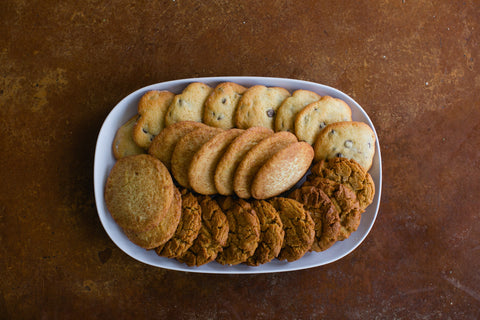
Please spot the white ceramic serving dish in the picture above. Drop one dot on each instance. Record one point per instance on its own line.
(127, 108)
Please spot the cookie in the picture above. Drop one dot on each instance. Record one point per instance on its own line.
(187, 229)
(162, 232)
(226, 167)
(123, 144)
(189, 105)
(138, 192)
(212, 237)
(317, 115)
(204, 163)
(152, 109)
(299, 228)
(285, 118)
(271, 233)
(185, 150)
(243, 235)
(258, 106)
(282, 171)
(163, 144)
(350, 173)
(345, 202)
(323, 213)
(256, 158)
(221, 105)
(349, 139)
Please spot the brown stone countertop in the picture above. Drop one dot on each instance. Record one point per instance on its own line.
(413, 66)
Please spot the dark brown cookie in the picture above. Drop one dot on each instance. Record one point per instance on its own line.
(244, 232)
(324, 214)
(271, 233)
(299, 228)
(212, 237)
(350, 173)
(344, 200)
(187, 230)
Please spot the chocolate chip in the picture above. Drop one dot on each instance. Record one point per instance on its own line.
(339, 155)
(270, 113)
(348, 144)
(220, 117)
(322, 125)
(369, 145)
(144, 130)
(332, 132)
(180, 102)
(224, 100)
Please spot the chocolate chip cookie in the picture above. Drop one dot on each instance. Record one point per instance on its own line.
(123, 144)
(221, 105)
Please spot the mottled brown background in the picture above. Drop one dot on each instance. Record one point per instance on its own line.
(413, 66)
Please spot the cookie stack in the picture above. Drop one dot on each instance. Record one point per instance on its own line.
(226, 162)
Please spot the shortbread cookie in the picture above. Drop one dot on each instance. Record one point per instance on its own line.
(243, 235)
(323, 213)
(212, 237)
(221, 105)
(350, 173)
(162, 232)
(344, 200)
(299, 228)
(189, 105)
(256, 158)
(204, 163)
(317, 115)
(226, 167)
(185, 150)
(123, 144)
(282, 171)
(163, 145)
(258, 106)
(152, 109)
(187, 229)
(285, 118)
(138, 192)
(349, 139)
(271, 233)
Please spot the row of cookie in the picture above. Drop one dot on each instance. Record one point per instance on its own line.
(230, 105)
(198, 229)
(254, 162)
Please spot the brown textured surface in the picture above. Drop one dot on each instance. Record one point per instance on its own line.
(413, 66)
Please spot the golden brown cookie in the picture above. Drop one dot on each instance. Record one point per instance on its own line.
(187, 229)
(185, 150)
(347, 139)
(287, 112)
(204, 163)
(212, 237)
(221, 105)
(164, 143)
(226, 167)
(282, 171)
(256, 158)
(162, 232)
(258, 106)
(344, 200)
(189, 105)
(323, 213)
(138, 192)
(271, 233)
(299, 228)
(243, 235)
(152, 109)
(123, 144)
(317, 115)
(349, 173)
